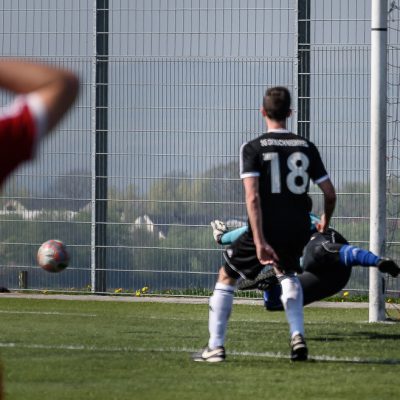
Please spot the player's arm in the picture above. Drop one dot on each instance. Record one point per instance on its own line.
(265, 252)
(57, 88)
(329, 193)
(222, 235)
(320, 176)
(230, 236)
(225, 236)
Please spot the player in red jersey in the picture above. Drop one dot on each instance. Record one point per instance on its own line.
(44, 94)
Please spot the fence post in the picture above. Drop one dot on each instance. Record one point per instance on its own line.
(99, 163)
(303, 78)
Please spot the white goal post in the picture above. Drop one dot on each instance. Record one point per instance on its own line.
(378, 154)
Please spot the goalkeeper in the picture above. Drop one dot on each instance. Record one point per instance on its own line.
(327, 263)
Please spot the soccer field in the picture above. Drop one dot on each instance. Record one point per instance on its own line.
(55, 349)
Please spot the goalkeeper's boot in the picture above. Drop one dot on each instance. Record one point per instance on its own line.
(212, 356)
(264, 281)
(299, 351)
(387, 265)
(219, 228)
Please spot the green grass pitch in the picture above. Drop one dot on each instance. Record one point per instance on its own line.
(55, 349)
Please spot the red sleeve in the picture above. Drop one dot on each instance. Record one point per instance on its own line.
(17, 136)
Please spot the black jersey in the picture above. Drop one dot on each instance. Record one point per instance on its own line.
(284, 163)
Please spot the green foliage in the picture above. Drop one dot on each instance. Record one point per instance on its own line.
(217, 193)
(181, 208)
(167, 197)
(353, 201)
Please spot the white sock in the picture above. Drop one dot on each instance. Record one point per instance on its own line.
(220, 307)
(292, 300)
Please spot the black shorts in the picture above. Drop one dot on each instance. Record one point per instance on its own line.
(322, 251)
(318, 286)
(324, 275)
(241, 257)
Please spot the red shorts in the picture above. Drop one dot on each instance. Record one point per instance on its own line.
(21, 125)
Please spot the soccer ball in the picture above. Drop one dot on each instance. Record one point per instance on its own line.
(53, 256)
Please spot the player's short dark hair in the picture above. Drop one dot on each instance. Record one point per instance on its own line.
(277, 102)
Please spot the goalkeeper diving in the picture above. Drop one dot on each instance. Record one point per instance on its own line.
(327, 264)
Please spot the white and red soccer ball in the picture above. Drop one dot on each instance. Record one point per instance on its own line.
(53, 256)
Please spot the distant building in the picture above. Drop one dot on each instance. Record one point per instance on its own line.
(33, 209)
(146, 223)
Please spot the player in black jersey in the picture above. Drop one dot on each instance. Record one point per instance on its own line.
(276, 169)
(327, 265)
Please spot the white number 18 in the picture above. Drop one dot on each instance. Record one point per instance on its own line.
(297, 163)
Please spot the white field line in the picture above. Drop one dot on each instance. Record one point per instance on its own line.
(324, 358)
(166, 299)
(48, 313)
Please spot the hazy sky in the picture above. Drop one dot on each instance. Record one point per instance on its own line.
(186, 78)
